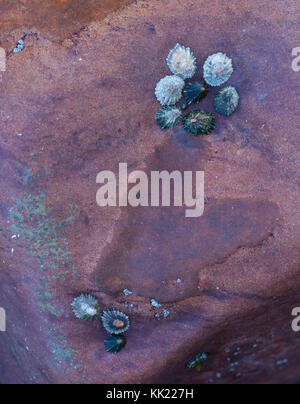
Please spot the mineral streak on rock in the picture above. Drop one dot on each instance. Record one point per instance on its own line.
(55, 19)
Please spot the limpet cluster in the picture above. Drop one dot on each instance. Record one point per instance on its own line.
(115, 322)
(217, 70)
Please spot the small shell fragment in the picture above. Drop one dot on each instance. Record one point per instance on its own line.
(197, 361)
(168, 90)
(20, 46)
(227, 101)
(168, 117)
(115, 321)
(182, 62)
(217, 69)
(199, 122)
(86, 307)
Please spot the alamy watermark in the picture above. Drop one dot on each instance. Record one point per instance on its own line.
(160, 185)
(296, 61)
(2, 60)
(296, 321)
(2, 320)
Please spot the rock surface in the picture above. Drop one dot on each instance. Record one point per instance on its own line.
(80, 99)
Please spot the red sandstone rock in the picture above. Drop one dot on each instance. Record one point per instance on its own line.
(86, 103)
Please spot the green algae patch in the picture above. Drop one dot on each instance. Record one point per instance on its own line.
(43, 235)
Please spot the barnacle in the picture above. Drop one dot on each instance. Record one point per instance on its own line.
(115, 321)
(197, 361)
(86, 307)
(227, 101)
(168, 117)
(199, 122)
(115, 343)
(169, 90)
(217, 69)
(194, 93)
(182, 62)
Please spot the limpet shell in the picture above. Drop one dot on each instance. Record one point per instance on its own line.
(199, 122)
(168, 90)
(86, 307)
(168, 117)
(217, 69)
(227, 101)
(182, 62)
(115, 343)
(115, 321)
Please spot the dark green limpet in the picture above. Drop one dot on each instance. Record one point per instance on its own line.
(168, 117)
(86, 307)
(197, 361)
(227, 101)
(199, 122)
(115, 321)
(194, 93)
(115, 343)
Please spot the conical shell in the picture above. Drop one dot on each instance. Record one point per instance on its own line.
(217, 69)
(182, 62)
(115, 343)
(115, 321)
(86, 307)
(168, 90)
(199, 122)
(227, 101)
(194, 93)
(168, 117)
